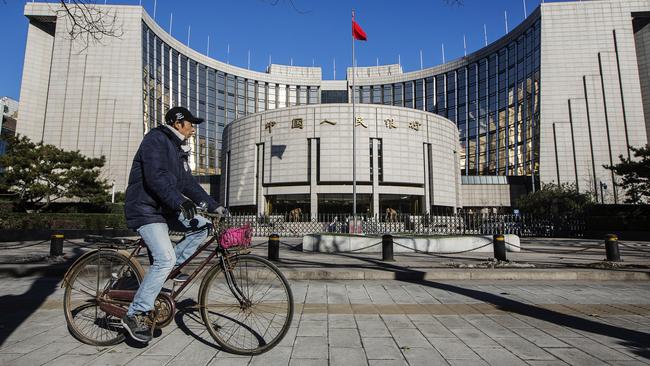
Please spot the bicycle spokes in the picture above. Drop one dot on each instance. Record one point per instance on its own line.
(247, 307)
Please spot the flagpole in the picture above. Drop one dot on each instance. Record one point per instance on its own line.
(354, 140)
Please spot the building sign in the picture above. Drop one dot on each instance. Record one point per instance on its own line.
(328, 122)
(415, 125)
(390, 123)
(297, 123)
(269, 126)
(359, 121)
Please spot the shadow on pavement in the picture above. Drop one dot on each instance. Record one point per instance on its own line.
(638, 342)
(16, 309)
(187, 309)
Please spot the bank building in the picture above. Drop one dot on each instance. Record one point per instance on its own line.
(553, 100)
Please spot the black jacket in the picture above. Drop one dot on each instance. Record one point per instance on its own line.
(160, 180)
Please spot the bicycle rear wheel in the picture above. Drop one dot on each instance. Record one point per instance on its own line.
(258, 322)
(85, 283)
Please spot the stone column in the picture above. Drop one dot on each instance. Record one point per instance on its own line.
(375, 178)
(427, 178)
(259, 178)
(313, 183)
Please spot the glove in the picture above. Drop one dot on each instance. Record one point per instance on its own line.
(221, 210)
(188, 208)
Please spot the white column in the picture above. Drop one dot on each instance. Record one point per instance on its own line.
(375, 178)
(259, 161)
(313, 185)
(427, 179)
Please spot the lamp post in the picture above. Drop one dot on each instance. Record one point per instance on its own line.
(603, 186)
(113, 191)
(557, 159)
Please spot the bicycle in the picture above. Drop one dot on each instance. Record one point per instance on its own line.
(245, 301)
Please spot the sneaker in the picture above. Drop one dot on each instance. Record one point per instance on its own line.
(182, 277)
(137, 327)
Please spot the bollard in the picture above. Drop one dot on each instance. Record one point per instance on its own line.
(499, 242)
(56, 245)
(274, 247)
(611, 248)
(387, 248)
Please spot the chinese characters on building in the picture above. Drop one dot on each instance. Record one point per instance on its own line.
(390, 123)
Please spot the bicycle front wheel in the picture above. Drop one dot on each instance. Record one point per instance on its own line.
(248, 309)
(86, 281)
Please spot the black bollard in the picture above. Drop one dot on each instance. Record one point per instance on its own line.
(611, 248)
(56, 245)
(274, 247)
(499, 242)
(387, 248)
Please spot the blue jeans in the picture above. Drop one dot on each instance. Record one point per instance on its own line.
(165, 256)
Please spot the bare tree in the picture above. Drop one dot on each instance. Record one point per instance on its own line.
(89, 23)
(291, 3)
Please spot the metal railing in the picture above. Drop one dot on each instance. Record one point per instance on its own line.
(461, 223)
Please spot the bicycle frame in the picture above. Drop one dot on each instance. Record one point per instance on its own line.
(114, 305)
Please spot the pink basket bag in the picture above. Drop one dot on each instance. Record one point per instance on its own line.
(236, 236)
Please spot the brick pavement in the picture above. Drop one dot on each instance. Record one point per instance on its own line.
(371, 323)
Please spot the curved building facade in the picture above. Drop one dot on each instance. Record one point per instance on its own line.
(301, 157)
(559, 96)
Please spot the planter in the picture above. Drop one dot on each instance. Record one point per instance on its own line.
(430, 244)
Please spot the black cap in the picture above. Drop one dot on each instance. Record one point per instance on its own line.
(181, 114)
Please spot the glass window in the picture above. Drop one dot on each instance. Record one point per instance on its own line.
(441, 105)
(408, 94)
(240, 92)
(302, 95)
(376, 94)
(175, 76)
(387, 94)
(184, 88)
(230, 98)
(334, 96)
(250, 96)
(398, 95)
(419, 94)
(430, 95)
(365, 94)
(313, 95)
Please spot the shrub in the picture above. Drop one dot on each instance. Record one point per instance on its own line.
(62, 221)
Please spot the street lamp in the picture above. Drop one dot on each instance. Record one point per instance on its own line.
(603, 185)
(557, 160)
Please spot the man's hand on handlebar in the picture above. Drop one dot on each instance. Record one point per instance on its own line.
(222, 211)
(218, 212)
(188, 208)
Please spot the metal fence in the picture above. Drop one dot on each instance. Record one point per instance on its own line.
(462, 223)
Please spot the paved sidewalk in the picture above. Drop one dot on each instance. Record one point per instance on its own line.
(540, 259)
(371, 323)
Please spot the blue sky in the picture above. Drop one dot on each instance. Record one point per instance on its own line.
(317, 33)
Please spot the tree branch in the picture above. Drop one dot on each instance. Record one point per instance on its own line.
(89, 23)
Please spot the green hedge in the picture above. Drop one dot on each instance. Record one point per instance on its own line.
(26, 221)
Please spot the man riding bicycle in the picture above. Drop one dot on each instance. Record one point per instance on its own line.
(161, 195)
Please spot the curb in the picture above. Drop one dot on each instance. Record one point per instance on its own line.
(451, 274)
(463, 275)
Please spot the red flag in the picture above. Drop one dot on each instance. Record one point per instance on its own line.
(357, 32)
